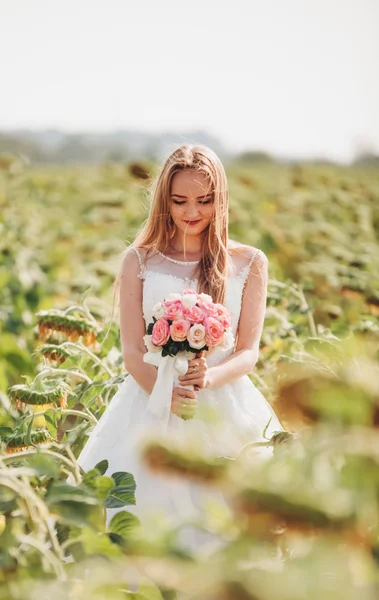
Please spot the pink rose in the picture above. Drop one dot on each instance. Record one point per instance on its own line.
(210, 308)
(220, 309)
(196, 336)
(179, 330)
(189, 291)
(223, 315)
(224, 320)
(214, 331)
(195, 314)
(173, 310)
(160, 333)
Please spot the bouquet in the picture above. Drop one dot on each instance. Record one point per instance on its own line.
(183, 325)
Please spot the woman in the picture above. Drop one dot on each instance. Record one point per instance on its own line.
(184, 244)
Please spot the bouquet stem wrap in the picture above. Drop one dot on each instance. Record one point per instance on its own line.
(169, 368)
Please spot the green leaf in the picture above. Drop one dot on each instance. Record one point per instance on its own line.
(123, 492)
(146, 591)
(5, 431)
(102, 466)
(123, 523)
(74, 513)
(95, 542)
(124, 478)
(90, 477)
(103, 486)
(51, 416)
(28, 439)
(64, 492)
(43, 465)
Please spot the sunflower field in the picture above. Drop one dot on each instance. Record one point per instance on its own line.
(301, 525)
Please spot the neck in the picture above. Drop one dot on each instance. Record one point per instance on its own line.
(186, 245)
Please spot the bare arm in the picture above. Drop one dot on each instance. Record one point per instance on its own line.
(132, 325)
(250, 328)
(132, 329)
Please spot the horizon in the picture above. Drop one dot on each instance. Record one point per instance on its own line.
(253, 150)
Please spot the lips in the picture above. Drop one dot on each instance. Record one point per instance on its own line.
(193, 222)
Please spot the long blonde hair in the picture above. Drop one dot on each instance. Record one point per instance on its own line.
(155, 233)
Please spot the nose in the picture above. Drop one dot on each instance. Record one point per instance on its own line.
(192, 212)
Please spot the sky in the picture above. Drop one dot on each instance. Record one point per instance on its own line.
(291, 77)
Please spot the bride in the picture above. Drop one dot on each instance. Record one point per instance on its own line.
(184, 244)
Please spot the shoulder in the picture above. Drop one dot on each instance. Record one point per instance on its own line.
(132, 260)
(244, 255)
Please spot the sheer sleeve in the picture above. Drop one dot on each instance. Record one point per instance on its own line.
(253, 305)
(139, 253)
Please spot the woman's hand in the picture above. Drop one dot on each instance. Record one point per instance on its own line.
(183, 402)
(197, 374)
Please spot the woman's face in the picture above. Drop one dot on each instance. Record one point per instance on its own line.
(191, 202)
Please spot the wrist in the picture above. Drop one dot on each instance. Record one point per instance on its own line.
(210, 381)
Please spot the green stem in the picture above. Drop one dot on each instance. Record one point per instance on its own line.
(48, 372)
(67, 411)
(26, 493)
(54, 561)
(71, 464)
(246, 448)
(91, 354)
(82, 309)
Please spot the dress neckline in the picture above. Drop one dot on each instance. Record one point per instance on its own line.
(180, 262)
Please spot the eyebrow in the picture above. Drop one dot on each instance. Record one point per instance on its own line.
(178, 196)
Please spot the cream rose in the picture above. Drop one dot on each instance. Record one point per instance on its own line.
(205, 297)
(189, 300)
(227, 341)
(196, 336)
(158, 310)
(173, 296)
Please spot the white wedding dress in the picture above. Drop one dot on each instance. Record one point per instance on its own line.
(240, 411)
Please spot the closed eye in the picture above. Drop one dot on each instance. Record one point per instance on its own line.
(200, 201)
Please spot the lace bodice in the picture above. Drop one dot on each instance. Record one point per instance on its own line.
(162, 275)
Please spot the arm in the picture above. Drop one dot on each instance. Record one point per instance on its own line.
(132, 325)
(132, 329)
(250, 327)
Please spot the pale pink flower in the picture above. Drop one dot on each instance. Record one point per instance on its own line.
(173, 310)
(223, 315)
(210, 308)
(179, 330)
(189, 291)
(225, 320)
(195, 314)
(160, 333)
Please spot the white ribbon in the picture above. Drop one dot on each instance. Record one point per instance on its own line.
(159, 403)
